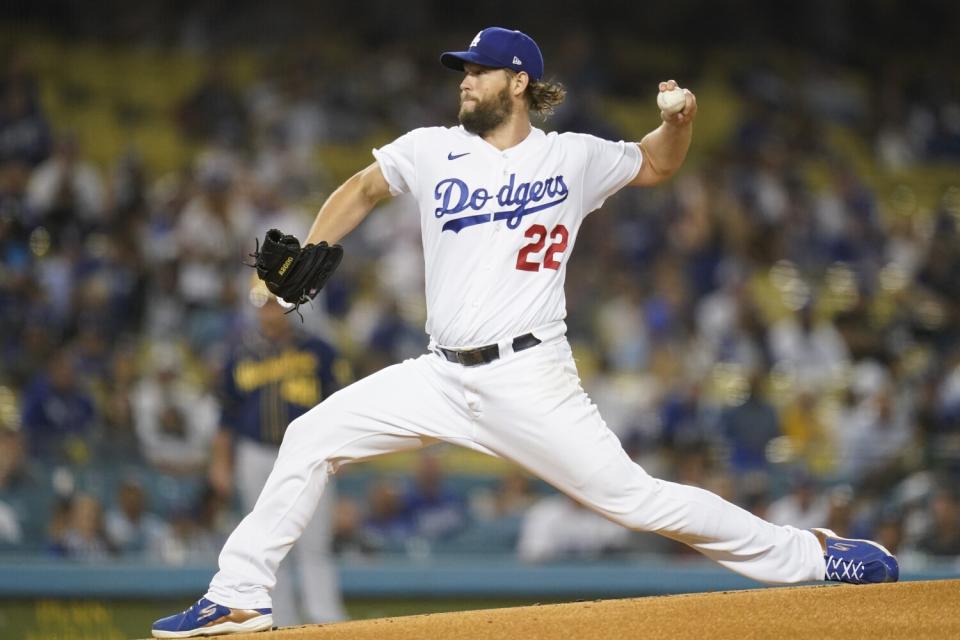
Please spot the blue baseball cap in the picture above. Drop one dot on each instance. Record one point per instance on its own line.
(499, 48)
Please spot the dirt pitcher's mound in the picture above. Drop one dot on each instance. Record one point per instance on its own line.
(909, 610)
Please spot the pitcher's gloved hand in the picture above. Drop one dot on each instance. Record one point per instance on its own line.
(293, 273)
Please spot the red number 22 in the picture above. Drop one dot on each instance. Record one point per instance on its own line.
(538, 233)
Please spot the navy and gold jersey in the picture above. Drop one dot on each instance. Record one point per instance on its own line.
(265, 386)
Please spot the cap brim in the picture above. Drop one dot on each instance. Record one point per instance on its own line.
(455, 59)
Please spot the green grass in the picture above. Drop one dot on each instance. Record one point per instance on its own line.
(121, 620)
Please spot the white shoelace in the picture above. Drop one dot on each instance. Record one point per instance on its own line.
(844, 570)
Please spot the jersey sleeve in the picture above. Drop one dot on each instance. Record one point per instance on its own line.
(609, 167)
(398, 163)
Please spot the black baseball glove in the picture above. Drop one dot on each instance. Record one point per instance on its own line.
(291, 272)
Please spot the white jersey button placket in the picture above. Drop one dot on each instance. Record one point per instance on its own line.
(506, 172)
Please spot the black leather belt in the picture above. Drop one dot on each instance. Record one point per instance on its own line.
(487, 354)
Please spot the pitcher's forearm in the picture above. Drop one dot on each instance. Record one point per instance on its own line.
(348, 206)
(665, 148)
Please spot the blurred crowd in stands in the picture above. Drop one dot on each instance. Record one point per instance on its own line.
(778, 324)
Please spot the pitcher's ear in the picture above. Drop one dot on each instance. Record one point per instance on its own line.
(521, 81)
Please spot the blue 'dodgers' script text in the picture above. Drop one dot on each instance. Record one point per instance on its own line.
(455, 196)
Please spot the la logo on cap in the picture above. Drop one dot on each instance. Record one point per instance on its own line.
(499, 48)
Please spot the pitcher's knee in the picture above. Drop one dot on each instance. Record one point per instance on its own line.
(306, 430)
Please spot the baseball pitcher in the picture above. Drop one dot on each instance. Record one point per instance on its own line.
(501, 203)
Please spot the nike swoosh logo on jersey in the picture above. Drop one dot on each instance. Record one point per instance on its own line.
(450, 155)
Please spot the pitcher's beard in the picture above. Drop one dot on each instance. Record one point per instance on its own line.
(487, 115)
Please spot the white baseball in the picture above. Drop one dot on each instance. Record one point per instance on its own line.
(671, 102)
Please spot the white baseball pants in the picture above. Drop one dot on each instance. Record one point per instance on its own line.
(527, 407)
(307, 589)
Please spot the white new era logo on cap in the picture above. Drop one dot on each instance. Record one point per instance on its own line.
(516, 60)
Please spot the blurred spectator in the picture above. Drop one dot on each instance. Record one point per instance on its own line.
(943, 535)
(557, 527)
(215, 109)
(213, 233)
(873, 437)
(693, 463)
(10, 531)
(811, 438)
(59, 416)
(387, 526)
(130, 527)
(66, 189)
(681, 420)
(16, 219)
(14, 469)
(110, 280)
(812, 351)
(803, 507)
(57, 525)
(78, 530)
(215, 519)
(937, 296)
(118, 439)
(199, 531)
(349, 535)
(128, 187)
(273, 211)
(512, 496)
(749, 427)
(945, 402)
(90, 349)
(889, 530)
(621, 330)
(288, 135)
(165, 309)
(667, 305)
(497, 513)
(166, 199)
(846, 218)
(393, 337)
(840, 511)
(18, 287)
(175, 421)
(24, 130)
(32, 351)
(627, 399)
(433, 509)
(728, 326)
(19, 486)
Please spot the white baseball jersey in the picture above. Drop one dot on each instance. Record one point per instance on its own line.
(498, 226)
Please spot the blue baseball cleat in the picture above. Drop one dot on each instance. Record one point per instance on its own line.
(207, 618)
(856, 561)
